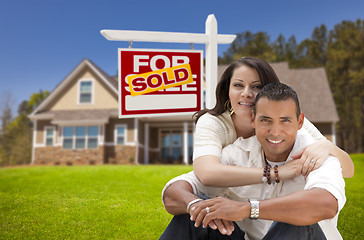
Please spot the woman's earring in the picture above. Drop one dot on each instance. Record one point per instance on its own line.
(231, 110)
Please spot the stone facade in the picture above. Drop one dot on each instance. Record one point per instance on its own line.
(60, 156)
(102, 155)
(120, 154)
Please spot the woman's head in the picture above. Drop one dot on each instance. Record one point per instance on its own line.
(263, 70)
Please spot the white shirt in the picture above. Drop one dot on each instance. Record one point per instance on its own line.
(248, 153)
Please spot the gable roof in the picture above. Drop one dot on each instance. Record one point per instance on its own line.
(71, 117)
(109, 82)
(312, 87)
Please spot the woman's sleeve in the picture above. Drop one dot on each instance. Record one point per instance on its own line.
(312, 130)
(207, 137)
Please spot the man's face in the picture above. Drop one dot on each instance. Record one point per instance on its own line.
(276, 127)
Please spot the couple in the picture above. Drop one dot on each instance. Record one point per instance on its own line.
(276, 122)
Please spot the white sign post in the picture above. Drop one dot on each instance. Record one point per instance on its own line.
(210, 38)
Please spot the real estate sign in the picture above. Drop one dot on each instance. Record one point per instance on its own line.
(159, 82)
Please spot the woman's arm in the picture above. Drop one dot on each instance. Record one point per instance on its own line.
(318, 153)
(211, 172)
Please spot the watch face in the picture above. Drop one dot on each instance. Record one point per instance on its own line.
(254, 209)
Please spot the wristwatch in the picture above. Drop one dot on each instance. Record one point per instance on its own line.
(254, 209)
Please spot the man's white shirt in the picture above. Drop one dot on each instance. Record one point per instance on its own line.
(248, 153)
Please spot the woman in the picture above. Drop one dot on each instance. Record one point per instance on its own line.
(231, 118)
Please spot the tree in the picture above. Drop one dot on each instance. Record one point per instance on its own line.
(345, 61)
(249, 44)
(279, 47)
(319, 44)
(16, 146)
(7, 102)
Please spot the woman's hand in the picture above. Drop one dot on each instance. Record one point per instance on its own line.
(289, 170)
(313, 156)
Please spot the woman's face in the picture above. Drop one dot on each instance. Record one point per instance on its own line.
(244, 87)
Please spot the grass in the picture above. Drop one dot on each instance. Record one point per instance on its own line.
(85, 202)
(112, 202)
(351, 217)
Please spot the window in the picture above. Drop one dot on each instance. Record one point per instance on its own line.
(68, 137)
(49, 136)
(93, 134)
(85, 92)
(171, 145)
(204, 99)
(120, 134)
(80, 137)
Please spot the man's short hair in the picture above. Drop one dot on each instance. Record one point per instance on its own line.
(278, 92)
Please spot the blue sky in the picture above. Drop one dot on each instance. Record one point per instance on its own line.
(42, 41)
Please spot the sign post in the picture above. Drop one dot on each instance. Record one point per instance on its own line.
(144, 84)
(210, 38)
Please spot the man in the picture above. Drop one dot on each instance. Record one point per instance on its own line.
(291, 203)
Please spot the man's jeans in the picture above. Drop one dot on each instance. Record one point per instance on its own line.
(181, 228)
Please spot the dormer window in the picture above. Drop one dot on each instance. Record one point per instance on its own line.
(85, 93)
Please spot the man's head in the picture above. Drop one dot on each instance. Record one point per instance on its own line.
(277, 118)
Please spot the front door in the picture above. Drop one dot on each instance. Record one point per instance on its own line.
(171, 146)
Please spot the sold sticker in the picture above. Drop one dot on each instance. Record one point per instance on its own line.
(160, 79)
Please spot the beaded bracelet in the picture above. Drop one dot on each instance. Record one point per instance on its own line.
(266, 174)
(276, 173)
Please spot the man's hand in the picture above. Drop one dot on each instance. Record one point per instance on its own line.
(225, 227)
(219, 208)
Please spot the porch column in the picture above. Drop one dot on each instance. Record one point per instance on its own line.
(333, 132)
(185, 143)
(136, 140)
(34, 140)
(146, 143)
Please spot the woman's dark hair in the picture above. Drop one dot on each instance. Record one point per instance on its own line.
(266, 76)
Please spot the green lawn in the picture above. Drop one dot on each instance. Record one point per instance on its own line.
(112, 202)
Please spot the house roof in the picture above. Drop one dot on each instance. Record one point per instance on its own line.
(74, 117)
(109, 82)
(312, 87)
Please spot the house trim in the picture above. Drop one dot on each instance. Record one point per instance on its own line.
(34, 140)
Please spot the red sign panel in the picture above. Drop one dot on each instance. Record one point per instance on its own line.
(163, 82)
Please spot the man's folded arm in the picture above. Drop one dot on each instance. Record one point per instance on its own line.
(177, 196)
(300, 208)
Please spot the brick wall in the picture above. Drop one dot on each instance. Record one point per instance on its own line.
(120, 154)
(60, 156)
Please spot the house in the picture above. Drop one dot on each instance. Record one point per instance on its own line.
(78, 122)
